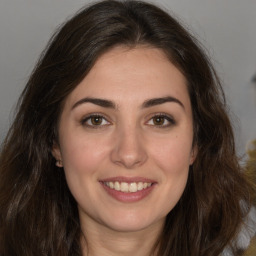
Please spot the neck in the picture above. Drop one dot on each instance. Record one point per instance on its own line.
(100, 240)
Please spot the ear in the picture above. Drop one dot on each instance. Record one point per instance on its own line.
(193, 154)
(57, 154)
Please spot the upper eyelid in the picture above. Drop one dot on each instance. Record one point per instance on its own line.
(95, 114)
(160, 114)
(88, 116)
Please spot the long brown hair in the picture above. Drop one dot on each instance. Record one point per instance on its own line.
(38, 213)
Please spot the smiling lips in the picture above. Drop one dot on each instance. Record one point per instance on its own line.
(128, 189)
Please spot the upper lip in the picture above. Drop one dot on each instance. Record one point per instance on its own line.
(128, 179)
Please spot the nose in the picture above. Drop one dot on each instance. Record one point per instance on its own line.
(129, 149)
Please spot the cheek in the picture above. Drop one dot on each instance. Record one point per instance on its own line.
(82, 160)
(82, 155)
(174, 155)
(173, 159)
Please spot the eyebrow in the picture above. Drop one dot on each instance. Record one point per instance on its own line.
(110, 104)
(100, 102)
(159, 101)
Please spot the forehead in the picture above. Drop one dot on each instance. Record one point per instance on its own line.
(124, 73)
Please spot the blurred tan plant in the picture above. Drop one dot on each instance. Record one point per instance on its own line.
(251, 173)
(251, 166)
(251, 251)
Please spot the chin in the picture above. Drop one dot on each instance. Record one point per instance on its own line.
(132, 223)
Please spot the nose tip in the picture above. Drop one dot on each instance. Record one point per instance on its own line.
(129, 161)
(129, 151)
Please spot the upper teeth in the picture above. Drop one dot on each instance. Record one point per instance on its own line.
(127, 187)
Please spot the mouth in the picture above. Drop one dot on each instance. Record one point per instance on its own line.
(131, 187)
(128, 189)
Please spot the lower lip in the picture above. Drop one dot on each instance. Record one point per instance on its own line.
(128, 197)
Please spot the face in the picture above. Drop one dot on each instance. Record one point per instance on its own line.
(125, 140)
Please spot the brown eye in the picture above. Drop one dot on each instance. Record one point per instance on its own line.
(161, 121)
(93, 121)
(96, 120)
(158, 120)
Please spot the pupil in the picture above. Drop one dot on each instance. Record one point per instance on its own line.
(158, 120)
(96, 120)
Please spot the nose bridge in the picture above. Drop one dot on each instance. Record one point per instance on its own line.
(129, 149)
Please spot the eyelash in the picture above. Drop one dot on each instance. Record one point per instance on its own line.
(166, 117)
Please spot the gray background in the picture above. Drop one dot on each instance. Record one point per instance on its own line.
(227, 28)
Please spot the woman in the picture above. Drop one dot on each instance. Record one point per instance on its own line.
(121, 144)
